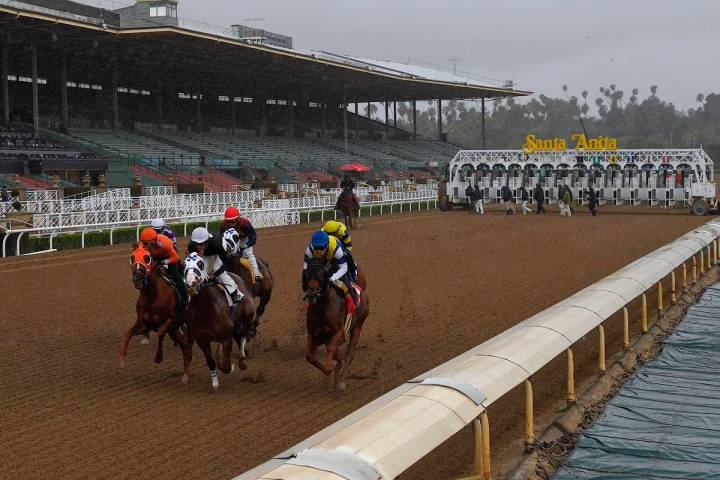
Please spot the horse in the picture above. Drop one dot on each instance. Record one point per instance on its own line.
(326, 322)
(349, 205)
(210, 319)
(156, 306)
(261, 290)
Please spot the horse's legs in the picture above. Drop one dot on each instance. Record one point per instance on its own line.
(226, 351)
(126, 340)
(161, 336)
(350, 352)
(187, 357)
(333, 353)
(339, 368)
(179, 339)
(242, 355)
(212, 366)
(310, 357)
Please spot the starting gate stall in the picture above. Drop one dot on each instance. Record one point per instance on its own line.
(663, 177)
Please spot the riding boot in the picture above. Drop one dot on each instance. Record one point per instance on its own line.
(237, 296)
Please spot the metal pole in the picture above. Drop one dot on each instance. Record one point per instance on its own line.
(63, 91)
(116, 111)
(571, 399)
(685, 284)
(702, 261)
(233, 108)
(357, 123)
(477, 450)
(291, 117)
(387, 119)
(601, 350)
(626, 329)
(485, 425)
(5, 89)
(414, 118)
(673, 298)
(36, 107)
(439, 119)
(323, 109)
(660, 298)
(695, 275)
(345, 125)
(529, 420)
(394, 114)
(484, 146)
(199, 112)
(643, 317)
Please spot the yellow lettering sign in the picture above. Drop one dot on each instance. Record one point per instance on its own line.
(582, 142)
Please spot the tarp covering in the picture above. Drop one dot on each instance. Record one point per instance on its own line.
(665, 422)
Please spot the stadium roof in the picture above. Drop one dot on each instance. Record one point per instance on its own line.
(194, 59)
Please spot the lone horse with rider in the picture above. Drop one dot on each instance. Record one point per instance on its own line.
(348, 203)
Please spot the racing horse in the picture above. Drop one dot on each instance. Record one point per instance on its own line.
(349, 205)
(262, 290)
(210, 319)
(156, 306)
(326, 322)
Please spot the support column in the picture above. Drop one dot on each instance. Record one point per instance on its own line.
(291, 117)
(114, 88)
(482, 121)
(36, 107)
(571, 399)
(626, 329)
(601, 350)
(439, 119)
(233, 109)
(158, 97)
(323, 109)
(199, 112)
(345, 124)
(643, 317)
(357, 122)
(529, 415)
(414, 118)
(5, 90)
(63, 91)
(395, 114)
(660, 299)
(387, 120)
(673, 297)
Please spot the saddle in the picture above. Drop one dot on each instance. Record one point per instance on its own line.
(351, 307)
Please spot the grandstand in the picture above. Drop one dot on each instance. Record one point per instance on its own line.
(140, 92)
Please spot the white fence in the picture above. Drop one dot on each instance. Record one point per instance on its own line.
(387, 436)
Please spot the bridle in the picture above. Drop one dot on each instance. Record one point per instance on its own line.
(195, 265)
(140, 268)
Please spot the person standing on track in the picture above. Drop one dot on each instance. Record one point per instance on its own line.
(592, 201)
(525, 196)
(539, 197)
(506, 195)
(248, 237)
(468, 196)
(477, 196)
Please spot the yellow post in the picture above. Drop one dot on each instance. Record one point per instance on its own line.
(694, 270)
(660, 298)
(702, 261)
(601, 349)
(626, 329)
(529, 421)
(486, 467)
(673, 298)
(477, 435)
(571, 400)
(685, 286)
(643, 317)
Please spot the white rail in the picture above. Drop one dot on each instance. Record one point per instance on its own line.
(387, 436)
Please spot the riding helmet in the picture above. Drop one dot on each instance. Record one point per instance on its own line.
(331, 226)
(200, 235)
(157, 224)
(232, 213)
(320, 240)
(148, 235)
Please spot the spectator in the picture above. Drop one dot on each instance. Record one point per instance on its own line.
(525, 196)
(592, 201)
(4, 195)
(539, 197)
(506, 195)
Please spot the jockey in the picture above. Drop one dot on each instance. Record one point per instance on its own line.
(161, 228)
(329, 249)
(248, 236)
(208, 247)
(161, 251)
(341, 232)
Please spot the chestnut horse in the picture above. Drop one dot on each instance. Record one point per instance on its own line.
(326, 315)
(261, 290)
(349, 205)
(156, 306)
(210, 319)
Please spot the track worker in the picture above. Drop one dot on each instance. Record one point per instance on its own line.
(539, 197)
(210, 248)
(525, 196)
(162, 252)
(477, 197)
(592, 201)
(161, 228)
(506, 195)
(248, 236)
(341, 232)
(329, 249)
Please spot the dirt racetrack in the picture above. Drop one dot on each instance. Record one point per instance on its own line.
(439, 283)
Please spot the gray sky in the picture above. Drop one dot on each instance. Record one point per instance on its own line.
(541, 44)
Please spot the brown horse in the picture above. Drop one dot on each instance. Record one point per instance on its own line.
(326, 316)
(156, 306)
(210, 319)
(349, 205)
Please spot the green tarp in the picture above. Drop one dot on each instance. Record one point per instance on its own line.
(665, 422)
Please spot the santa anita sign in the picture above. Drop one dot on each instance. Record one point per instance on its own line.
(534, 144)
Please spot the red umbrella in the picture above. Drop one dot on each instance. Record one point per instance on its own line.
(354, 167)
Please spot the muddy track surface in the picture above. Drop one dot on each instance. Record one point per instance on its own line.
(439, 283)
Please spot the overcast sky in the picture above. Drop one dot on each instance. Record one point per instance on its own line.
(541, 44)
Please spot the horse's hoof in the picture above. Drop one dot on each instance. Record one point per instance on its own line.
(122, 363)
(145, 341)
(232, 366)
(243, 365)
(184, 379)
(158, 359)
(227, 370)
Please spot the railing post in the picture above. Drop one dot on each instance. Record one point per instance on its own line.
(7, 235)
(643, 317)
(487, 468)
(626, 329)
(659, 298)
(137, 234)
(54, 232)
(673, 298)
(529, 420)
(702, 261)
(478, 450)
(111, 235)
(601, 350)
(571, 400)
(17, 246)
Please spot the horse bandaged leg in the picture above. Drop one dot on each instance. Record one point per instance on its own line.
(250, 256)
(348, 324)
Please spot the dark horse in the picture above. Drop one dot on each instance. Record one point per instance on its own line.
(326, 316)
(210, 319)
(156, 306)
(349, 205)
